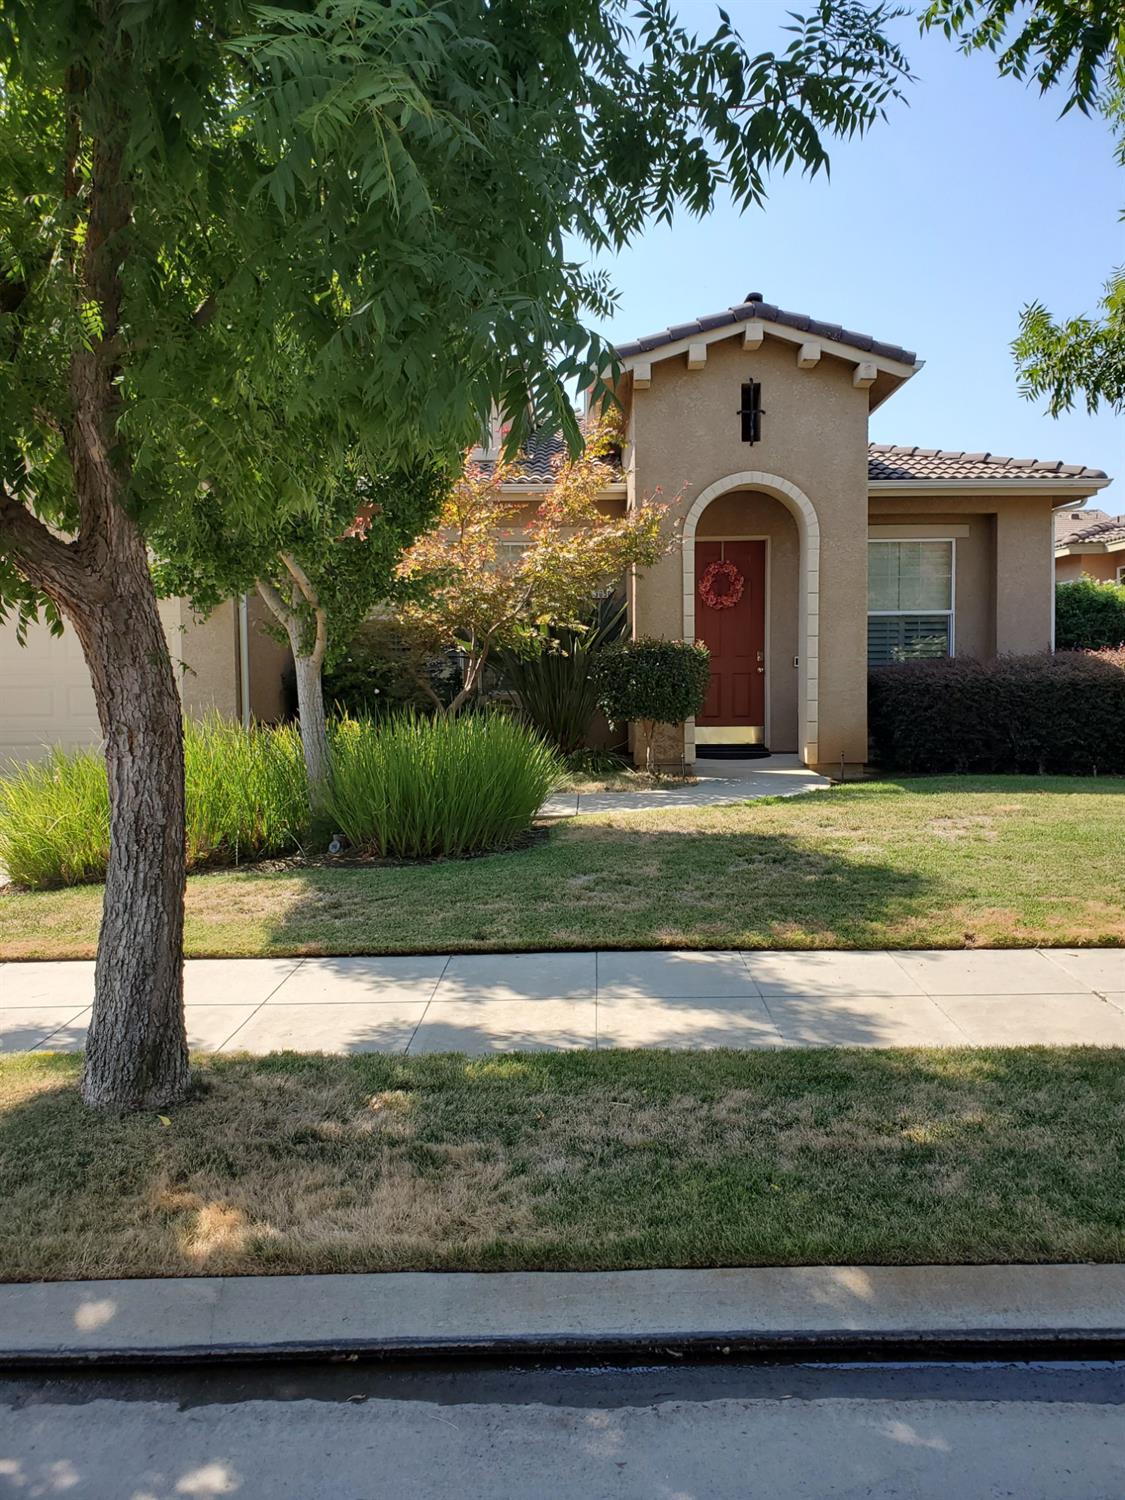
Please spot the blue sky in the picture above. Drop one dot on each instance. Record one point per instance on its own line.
(932, 232)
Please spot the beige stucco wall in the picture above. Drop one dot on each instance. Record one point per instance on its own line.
(685, 435)
(1005, 568)
(269, 659)
(204, 656)
(748, 513)
(1100, 565)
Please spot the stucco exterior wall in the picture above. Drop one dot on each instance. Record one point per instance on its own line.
(686, 436)
(1020, 565)
(1100, 565)
(746, 513)
(269, 659)
(204, 656)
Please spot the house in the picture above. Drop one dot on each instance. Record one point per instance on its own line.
(808, 552)
(842, 553)
(1089, 544)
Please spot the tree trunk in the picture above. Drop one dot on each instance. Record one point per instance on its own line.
(308, 666)
(136, 1050)
(314, 727)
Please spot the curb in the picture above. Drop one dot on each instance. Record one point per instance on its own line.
(828, 1345)
(768, 1313)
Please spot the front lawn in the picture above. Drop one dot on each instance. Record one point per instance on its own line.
(570, 1161)
(911, 863)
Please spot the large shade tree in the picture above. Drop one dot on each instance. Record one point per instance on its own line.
(378, 191)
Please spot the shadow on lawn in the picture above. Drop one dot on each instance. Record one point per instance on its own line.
(608, 886)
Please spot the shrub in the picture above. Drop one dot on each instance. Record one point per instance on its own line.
(650, 682)
(414, 788)
(555, 686)
(1089, 615)
(1061, 713)
(246, 798)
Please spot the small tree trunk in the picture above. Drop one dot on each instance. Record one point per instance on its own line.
(314, 727)
(308, 665)
(136, 1050)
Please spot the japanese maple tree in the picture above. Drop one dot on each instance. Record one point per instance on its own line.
(488, 583)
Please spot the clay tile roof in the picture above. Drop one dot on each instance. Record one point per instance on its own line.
(888, 463)
(884, 462)
(539, 459)
(769, 312)
(1105, 529)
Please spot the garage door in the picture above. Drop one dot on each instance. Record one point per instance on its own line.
(45, 694)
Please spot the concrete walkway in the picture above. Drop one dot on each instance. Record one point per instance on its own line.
(718, 783)
(763, 1308)
(486, 1003)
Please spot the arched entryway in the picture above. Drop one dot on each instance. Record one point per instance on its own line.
(779, 610)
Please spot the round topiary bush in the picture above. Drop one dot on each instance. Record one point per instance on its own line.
(649, 682)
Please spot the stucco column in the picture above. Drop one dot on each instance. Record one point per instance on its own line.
(1025, 586)
(841, 658)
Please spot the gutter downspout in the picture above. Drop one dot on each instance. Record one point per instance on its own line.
(244, 659)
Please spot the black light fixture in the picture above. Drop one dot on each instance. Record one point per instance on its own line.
(750, 411)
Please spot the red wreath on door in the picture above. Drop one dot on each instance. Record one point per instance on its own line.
(735, 584)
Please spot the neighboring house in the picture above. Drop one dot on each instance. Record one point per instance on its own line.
(846, 553)
(1089, 544)
(224, 664)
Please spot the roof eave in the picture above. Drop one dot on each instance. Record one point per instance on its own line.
(892, 372)
(1089, 549)
(1066, 488)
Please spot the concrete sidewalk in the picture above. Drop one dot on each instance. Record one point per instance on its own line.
(718, 783)
(778, 1309)
(485, 1003)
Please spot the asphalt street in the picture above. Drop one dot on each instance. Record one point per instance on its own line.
(677, 1431)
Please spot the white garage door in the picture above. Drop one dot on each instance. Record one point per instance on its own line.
(45, 694)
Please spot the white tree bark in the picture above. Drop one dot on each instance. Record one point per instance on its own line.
(308, 664)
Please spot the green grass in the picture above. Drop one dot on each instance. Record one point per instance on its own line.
(582, 1160)
(926, 862)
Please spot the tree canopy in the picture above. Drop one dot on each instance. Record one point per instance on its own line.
(244, 244)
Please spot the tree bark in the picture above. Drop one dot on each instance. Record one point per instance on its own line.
(136, 1050)
(314, 728)
(308, 666)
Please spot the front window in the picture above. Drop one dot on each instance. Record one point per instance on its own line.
(909, 600)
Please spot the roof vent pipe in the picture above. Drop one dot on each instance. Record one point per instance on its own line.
(754, 297)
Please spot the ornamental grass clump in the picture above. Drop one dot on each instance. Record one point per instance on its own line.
(246, 798)
(54, 819)
(415, 788)
(246, 791)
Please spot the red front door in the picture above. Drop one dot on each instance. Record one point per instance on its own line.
(735, 636)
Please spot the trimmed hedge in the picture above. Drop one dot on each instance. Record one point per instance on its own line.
(1089, 616)
(1061, 714)
(651, 681)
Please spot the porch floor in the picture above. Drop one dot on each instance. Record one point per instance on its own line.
(718, 783)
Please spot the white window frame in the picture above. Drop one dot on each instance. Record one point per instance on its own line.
(1121, 573)
(951, 612)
